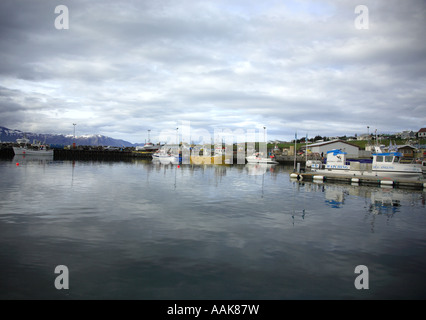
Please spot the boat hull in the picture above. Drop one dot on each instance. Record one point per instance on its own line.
(29, 152)
(373, 173)
(168, 159)
(261, 160)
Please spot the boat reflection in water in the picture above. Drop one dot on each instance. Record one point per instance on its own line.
(32, 159)
(382, 200)
(256, 169)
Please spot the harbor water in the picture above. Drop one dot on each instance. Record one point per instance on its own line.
(144, 230)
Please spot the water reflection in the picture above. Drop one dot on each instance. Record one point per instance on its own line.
(384, 197)
(32, 160)
(378, 201)
(147, 230)
(385, 201)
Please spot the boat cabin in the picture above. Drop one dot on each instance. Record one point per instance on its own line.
(336, 159)
(391, 162)
(390, 157)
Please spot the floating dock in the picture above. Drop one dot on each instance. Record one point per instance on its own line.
(361, 180)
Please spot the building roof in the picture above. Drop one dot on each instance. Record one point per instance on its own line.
(422, 130)
(330, 142)
(405, 146)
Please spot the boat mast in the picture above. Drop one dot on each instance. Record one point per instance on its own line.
(306, 150)
(295, 139)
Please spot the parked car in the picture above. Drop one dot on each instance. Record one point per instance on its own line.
(111, 148)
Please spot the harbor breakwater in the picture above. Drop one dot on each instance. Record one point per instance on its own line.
(93, 154)
(75, 154)
(79, 154)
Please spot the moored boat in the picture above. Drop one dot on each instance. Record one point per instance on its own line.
(383, 164)
(168, 155)
(169, 158)
(41, 151)
(149, 146)
(259, 157)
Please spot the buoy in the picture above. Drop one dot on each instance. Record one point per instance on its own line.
(318, 177)
(17, 164)
(178, 166)
(293, 175)
(355, 180)
(386, 182)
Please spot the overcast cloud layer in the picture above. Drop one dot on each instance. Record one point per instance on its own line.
(125, 67)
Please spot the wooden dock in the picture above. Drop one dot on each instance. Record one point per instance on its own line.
(361, 180)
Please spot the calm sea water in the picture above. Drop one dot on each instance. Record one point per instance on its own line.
(142, 230)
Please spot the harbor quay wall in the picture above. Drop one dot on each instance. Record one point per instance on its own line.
(76, 154)
(6, 153)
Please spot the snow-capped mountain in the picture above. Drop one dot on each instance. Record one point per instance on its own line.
(10, 135)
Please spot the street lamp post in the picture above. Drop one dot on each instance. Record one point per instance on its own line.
(73, 144)
(264, 134)
(264, 140)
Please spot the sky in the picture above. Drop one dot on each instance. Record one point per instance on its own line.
(121, 68)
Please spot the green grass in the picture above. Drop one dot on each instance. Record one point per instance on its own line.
(361, 144)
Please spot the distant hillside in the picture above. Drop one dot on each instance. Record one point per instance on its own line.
(10, 135)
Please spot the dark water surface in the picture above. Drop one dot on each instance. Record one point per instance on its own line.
(141, 230)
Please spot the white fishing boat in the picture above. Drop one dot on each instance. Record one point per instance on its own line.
(383, 164)
(167, 155)
(161, 152)
(259, 157)
(169, 158)
(37, 148)
(391, 163)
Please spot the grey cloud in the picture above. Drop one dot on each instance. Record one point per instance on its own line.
(133, 65)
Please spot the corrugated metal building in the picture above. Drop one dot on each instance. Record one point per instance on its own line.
(322, 148)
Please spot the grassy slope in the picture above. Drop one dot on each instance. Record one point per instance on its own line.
(361, 144)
